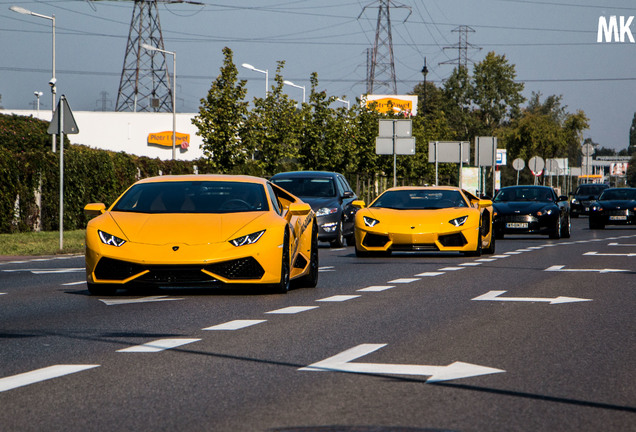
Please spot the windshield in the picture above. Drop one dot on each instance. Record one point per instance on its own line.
(308, 187)
(594, 190)
(618, 194)
(193, 197)
(539, 194)
(426, 199)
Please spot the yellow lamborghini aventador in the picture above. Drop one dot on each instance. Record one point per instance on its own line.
(201, 230)
(424, 218)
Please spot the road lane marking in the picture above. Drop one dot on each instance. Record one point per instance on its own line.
(343, 362)
(404, 280)
(500, 256)
(74, 283)
(292, 310)
(560, 268)
(494, 296)
(523, 250)
(486, 260)
(47, 271)
(622, 244)
(158, 345)
(376, 288)
(43, 374)
(338, 298)
(326, 269)
(452, 268)
(430, 274)
(148, 299)
(471, 264)
(609, 254)
(235, 325)
(512, 253)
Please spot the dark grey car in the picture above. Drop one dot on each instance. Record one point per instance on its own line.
(330, 197)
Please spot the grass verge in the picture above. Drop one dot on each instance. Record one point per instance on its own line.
(41, 243)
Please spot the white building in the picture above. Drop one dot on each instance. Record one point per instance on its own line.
(130, 132)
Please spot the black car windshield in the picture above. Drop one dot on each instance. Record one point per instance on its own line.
(590, 189)
(539, 194)
(307, 187)
(193, 197)
(425, 199)
(618, 195)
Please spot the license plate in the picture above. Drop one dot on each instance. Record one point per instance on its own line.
(618, 218)
(517, 225)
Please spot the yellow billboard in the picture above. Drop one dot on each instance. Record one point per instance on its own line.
(396, 104)
(165, 139)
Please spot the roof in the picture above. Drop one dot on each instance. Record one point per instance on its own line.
(306, 174)
(204, 177)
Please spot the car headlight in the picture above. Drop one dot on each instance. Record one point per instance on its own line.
(370, 222)
(458, 221)
(596, 207)
(326, 211)
(247, 239)
(110, 239)
(544, 212)
(575, 201)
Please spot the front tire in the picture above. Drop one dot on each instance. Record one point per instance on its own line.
(282, 287)
(339, 241)
(310, 280)
(477, 251)
(491, 247)
(566, 229)
(556, 230)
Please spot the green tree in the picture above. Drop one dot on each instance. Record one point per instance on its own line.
(457, 103)
(273, 130)
(221, 120)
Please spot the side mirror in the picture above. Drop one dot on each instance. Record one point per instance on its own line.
(94, 209)
(299, 209)
(562, 198)
(483, 203)
(358, 204)
(347, 194)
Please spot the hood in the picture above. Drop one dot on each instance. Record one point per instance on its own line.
(190, 229)
(317, 203)
(425, 220)
(521, 207)
(618, 204)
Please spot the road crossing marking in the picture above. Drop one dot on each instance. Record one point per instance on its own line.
(43, 374)
(158, 345)
(235, 325)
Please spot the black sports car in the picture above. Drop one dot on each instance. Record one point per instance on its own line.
(330, 197)
(585, 195)
(531, 210)
(615, 206)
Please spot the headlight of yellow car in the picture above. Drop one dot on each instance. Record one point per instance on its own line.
(370, 222)
(458, 221)
(247, 239)
(110, 239)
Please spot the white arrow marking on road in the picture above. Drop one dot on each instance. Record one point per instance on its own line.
(23, 379)
(561, 269)
(494, 296)
(343, 363)
(622, 244)
(139, 300)
(610, 254)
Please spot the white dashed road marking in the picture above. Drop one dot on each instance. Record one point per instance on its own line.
(235, 325)
(404, 280)
(452, 268)
(139, 300)
(338, 298)
(38, 375)
(376, 288)
(292, 310)
(158, 345)
(430, 274)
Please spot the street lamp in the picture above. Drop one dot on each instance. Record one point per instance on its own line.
(252, 68)
(37, 97)
(343, 101)
(297, 86)
(174, 94)
(52, 82)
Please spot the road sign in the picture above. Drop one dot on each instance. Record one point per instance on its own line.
(518, 164)
(449, 151)
(343, 363)
(485, 151)
(536, 165)
(69, 126)
(587, 149)
(553, 166)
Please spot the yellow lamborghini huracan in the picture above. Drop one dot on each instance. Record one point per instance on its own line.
(425, 218)
(201, 230)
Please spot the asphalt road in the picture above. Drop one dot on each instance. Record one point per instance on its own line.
(540, 337)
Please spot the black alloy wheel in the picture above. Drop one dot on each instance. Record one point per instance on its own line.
(556, 230)
(338, 242)
(310, 280)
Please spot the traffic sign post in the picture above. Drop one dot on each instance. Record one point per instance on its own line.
(395, 137)
(536, 165)
(448, 152)
(518, 164)
(62, 122)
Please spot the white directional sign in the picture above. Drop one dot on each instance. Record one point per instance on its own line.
(609, 254)
(494, 296)
(560, 268)
(343, 363)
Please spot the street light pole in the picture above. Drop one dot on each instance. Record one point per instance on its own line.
(37, 97)
(266, 72)
(344, 102)
(52, 82)
(174, 94)
(297, 86)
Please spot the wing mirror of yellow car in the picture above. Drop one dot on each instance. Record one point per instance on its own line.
(299, 209)
(358, 203)
(94, 209)
(483, 203)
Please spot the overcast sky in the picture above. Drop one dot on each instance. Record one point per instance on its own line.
(552, 43)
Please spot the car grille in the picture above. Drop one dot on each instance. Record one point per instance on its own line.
(619, 213)
(414, 247)
(242, 268)
(518, 218)
(375, 240)
(453, 240)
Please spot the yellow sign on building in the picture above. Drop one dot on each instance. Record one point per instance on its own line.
(165, 139)
(396, 104)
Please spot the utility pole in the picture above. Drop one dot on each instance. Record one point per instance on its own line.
(462, 47)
